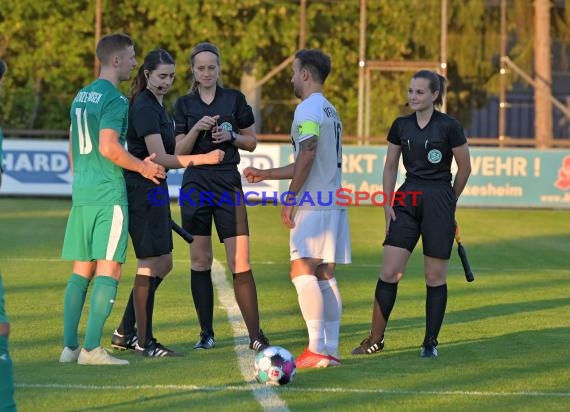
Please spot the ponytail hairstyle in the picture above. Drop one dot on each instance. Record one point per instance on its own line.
(199, 48)
(436, 83)
(151, 62)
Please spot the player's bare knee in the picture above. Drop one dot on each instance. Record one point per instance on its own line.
(325, 271)
(238, 264)
(109, 268)
(201, 261)
(434, 279)
(391, 276)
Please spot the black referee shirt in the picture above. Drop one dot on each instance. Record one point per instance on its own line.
(147, 116)
(427, 152)
(234, 114)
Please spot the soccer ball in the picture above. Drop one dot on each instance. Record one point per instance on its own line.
(274, 366)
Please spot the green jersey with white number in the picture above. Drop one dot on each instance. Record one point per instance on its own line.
(97, 180)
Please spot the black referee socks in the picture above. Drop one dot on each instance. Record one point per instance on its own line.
(436, 302)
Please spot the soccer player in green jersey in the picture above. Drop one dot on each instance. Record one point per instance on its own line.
(97, 229)
(7, 403)
(6, 375)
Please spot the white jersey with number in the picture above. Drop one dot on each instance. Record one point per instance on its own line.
(316, 116)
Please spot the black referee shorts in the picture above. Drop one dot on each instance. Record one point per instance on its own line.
(217, 195)
(149, 224)
(432, 217)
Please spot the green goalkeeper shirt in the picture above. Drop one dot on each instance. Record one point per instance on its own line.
(97, 180)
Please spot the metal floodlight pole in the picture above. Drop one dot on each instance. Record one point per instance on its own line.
(503, 74)
(302, 24)
(443, 46)
(361, 66)
(365, 68)
(542, 75)
(98, 19)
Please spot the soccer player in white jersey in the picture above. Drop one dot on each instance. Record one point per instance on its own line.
(319, 237)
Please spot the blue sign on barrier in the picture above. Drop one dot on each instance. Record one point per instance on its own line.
(499, 177)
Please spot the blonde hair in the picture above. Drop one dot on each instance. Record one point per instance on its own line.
(199, 48)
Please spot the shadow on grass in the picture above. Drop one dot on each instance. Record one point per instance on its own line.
(488, 363)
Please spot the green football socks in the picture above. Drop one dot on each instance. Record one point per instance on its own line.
(72, 307)
(6, 378)
(100, 306)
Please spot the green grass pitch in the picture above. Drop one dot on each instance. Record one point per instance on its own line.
(503, 346)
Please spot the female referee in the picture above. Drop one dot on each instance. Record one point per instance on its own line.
(428, 141)
(150, 130)
(209, 117)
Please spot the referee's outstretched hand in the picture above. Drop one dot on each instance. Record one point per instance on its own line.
(152, 171)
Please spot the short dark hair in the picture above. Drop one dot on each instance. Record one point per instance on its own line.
(436, 83)
(112, 44)
(317, 62)
(2, 68)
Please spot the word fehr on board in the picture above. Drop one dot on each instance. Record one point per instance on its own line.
(342, 197)
(505, 178)
(507, 166)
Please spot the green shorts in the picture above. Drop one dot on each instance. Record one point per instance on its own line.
(3, 315)
(96, 233)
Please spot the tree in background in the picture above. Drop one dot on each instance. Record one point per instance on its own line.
(50, 49)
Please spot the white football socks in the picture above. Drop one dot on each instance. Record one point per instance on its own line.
(332, 314)
(312, 307)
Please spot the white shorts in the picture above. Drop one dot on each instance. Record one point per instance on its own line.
(321, 234)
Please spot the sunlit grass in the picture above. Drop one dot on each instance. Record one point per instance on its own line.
(503, 345)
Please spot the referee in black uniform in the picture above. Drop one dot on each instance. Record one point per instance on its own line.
(210, 117)
(428, 141)
(151, 130)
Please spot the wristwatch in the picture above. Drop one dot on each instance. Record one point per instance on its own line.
(234, 136)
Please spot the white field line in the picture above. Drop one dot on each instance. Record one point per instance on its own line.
(248, 387)
(266, 396)
(286, 262)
